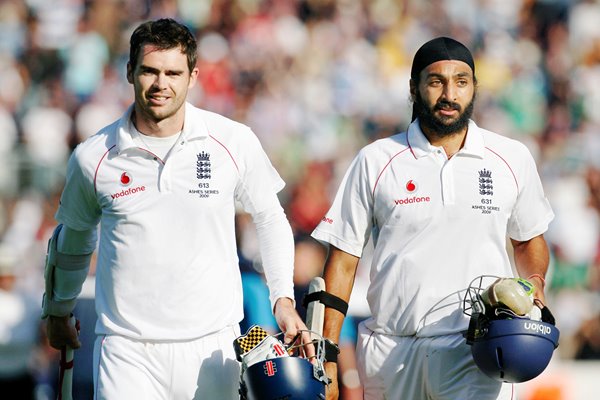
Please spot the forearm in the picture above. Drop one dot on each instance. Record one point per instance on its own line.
(531, 260)
(339, 273)
(276, 244)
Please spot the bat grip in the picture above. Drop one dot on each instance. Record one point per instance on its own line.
(66, 364)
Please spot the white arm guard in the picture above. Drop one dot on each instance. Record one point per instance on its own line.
(276, 243)
(67, 264)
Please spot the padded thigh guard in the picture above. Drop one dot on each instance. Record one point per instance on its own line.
(63, 271)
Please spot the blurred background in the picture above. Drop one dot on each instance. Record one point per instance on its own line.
(316, 80)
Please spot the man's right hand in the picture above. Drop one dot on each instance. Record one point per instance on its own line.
(62, 333)
(333, 391)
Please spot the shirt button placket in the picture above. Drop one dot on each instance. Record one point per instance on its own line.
(447, 178)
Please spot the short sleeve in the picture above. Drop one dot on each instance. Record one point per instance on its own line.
(532, 212)
(78, 208)
(258, 178)
(348, 223)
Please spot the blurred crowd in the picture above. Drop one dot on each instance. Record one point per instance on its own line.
(316, 80)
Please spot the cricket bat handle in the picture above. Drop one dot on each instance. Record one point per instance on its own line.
(65, 376)
(315, 311)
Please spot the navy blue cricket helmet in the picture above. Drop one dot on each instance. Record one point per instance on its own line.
(514, 350)
(281, 378)
(505, 346)
(272, 370)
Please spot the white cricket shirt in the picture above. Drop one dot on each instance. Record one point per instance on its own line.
(167, 266)
(436, 223)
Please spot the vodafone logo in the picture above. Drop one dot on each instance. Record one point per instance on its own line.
(128, 192)
(412, 200)
(411, 186)
(126, 179)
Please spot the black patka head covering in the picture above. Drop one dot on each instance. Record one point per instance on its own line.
(440, 49)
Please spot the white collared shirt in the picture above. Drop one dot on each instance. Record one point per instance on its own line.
(436, 223)
(167, 265)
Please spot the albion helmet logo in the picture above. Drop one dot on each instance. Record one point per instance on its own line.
(536, 327)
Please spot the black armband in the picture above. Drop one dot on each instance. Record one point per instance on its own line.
(331, 351)
(327, 299)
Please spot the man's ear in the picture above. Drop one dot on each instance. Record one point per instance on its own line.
(193, 77)
(413, 89)
(129, 73)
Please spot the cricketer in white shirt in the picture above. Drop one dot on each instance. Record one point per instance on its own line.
(436, 224)
(167, 266)
(410, 198)
(168, 284)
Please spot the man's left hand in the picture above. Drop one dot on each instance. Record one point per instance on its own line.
(291, 324)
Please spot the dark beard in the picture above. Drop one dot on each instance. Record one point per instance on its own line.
(440, 126)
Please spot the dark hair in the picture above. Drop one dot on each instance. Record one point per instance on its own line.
(165, 33)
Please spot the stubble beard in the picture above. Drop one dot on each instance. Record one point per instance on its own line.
(158, 114)
(442, 126)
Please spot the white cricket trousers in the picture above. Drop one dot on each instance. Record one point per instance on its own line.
(431, 368)
(203, 368)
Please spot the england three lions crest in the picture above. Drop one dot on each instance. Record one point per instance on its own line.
(486, 184)
(204, 186)
(486, 191)
(203, 167)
